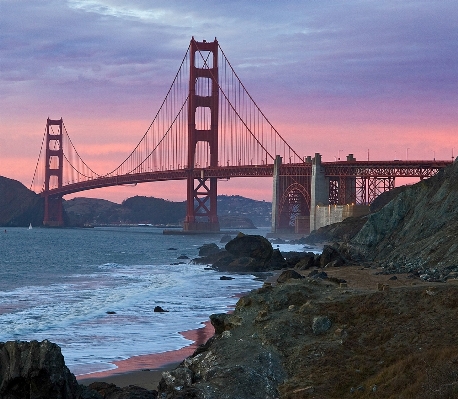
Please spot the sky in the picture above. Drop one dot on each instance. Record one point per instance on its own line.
(372, 78)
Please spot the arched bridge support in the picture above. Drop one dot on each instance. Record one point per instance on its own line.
(53, 214)
(291, 198)
(201, 211)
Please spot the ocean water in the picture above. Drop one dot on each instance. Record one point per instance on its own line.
(59, 284)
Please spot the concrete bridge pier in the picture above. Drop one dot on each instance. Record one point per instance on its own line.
(319, 190)
(276, 194)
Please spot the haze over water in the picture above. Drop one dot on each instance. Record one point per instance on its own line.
(59, 284)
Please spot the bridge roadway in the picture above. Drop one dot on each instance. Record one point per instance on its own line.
(420, 169)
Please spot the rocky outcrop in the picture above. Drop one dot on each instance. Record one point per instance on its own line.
(243, 254)
(416, 231)
(221, 368)
(35, 370)
(313, 338)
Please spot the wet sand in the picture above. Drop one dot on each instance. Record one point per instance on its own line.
(146, 370)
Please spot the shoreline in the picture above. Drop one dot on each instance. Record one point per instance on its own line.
(146, 370)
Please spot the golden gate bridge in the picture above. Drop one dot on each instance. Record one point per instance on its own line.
(208, 127)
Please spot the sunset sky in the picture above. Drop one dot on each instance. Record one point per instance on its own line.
(334, 77)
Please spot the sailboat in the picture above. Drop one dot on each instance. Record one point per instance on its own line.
(30, 226)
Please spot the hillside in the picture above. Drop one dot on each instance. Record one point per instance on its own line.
(18, 205)
(135, 210)
(416, 231)
(260, 212)
(233, 211)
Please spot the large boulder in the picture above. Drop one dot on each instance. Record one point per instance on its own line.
(252, 246)
(35, 370)
(208, 249)
(287, 275)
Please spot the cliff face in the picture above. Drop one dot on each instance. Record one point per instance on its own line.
(18, 205)
(417, 230)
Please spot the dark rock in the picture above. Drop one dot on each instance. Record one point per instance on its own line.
(315, 274)
(208, 249)
(111, 312)
(111, 391)
(183, 257)
(299, 260)
(252, 246)
(321, 324)
(336, 263)
(220, 322)
(242, 264)
(226, 278)
(171, 249)
(225, 238)
(317, 260)
(276, 261)
(393, 278)
(35, 370)
(329, 255)
(221, 260)
(159, 309)
(246, 254)
(305, 263)
(288, 274)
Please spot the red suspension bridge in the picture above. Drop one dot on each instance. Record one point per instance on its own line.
(208, 128)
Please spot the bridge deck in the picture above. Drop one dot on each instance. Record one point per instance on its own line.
(420, 169)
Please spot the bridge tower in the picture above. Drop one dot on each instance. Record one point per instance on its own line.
(53, 215)
(201, 211)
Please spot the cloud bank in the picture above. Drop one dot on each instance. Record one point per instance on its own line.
(331, 76)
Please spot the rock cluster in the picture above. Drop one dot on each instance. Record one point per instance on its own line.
(244, 253)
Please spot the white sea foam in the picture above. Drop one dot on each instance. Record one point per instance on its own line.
(74, 314)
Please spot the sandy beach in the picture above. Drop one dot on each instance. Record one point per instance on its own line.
(146, 370)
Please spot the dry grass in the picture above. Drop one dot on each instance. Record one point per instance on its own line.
(397, 344)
